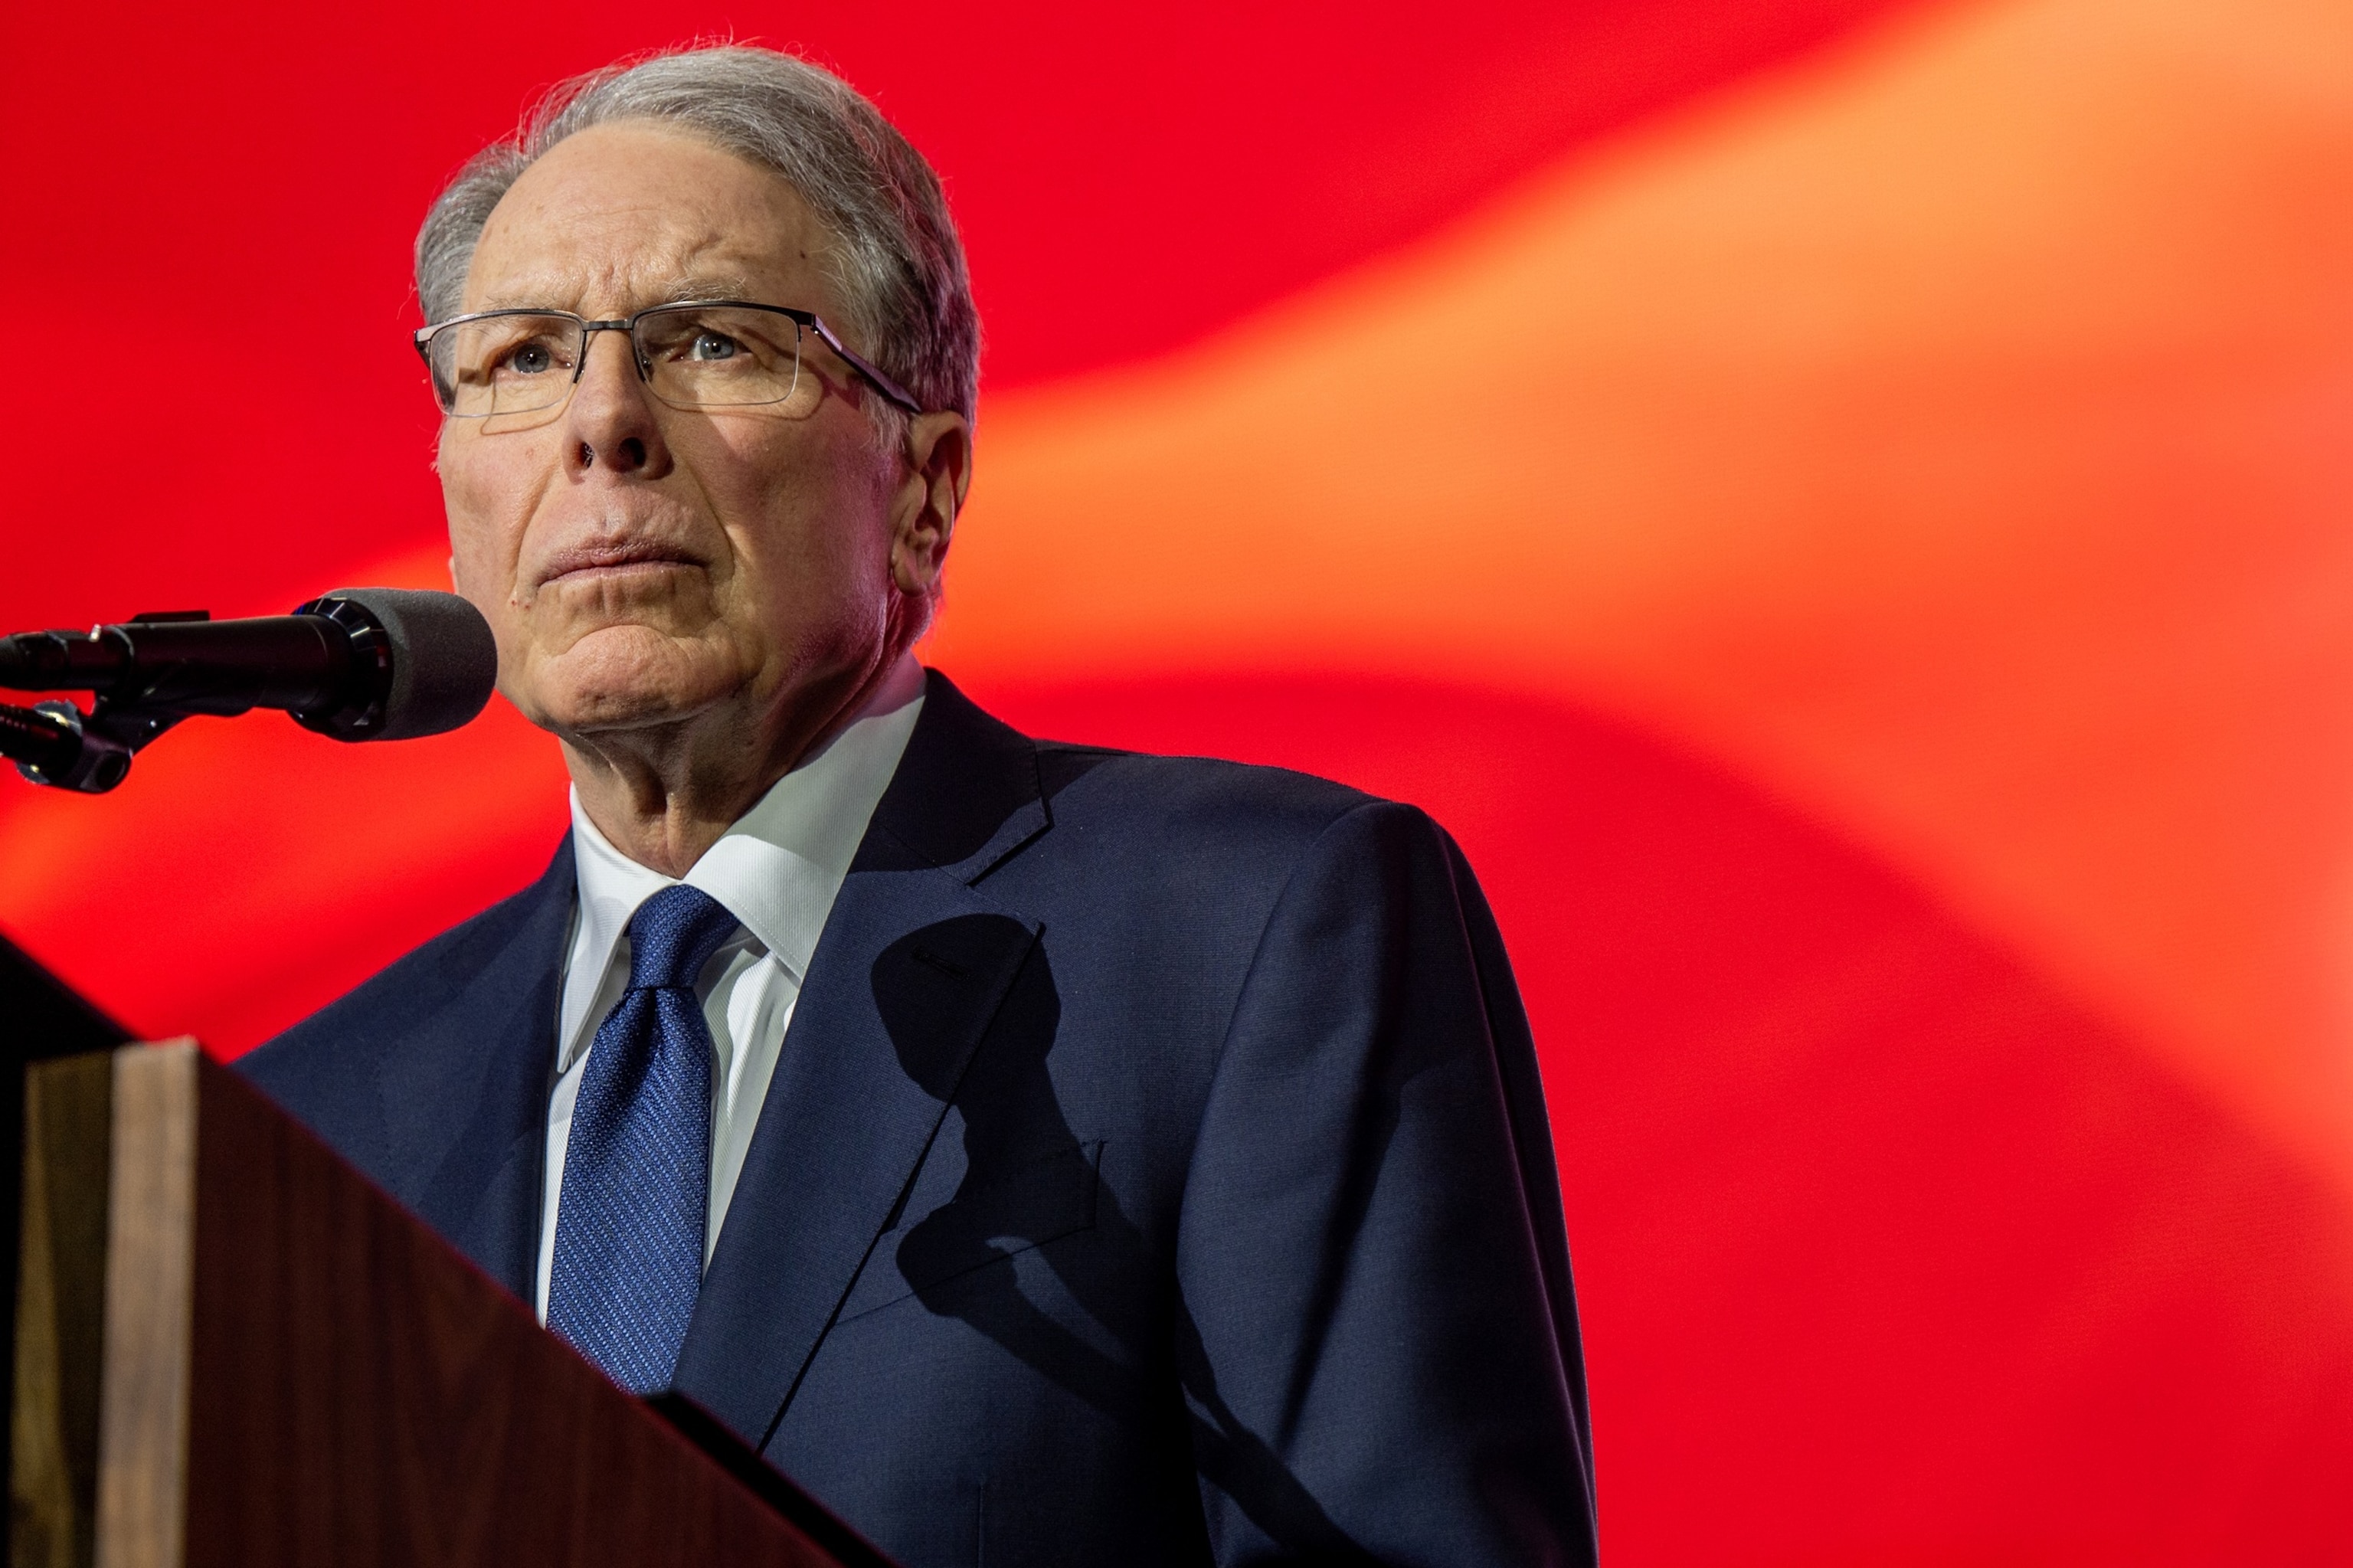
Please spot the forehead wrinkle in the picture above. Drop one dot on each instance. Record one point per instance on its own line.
(647, 232)
(552, 269)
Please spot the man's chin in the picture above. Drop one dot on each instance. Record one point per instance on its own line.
(585, 717)
(626, 683)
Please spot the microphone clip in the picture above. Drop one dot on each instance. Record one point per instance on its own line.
(56, 744)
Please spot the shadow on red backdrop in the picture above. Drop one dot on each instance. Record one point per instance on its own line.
(1885, 1252)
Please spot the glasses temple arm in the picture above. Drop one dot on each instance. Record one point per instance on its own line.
(889, 388)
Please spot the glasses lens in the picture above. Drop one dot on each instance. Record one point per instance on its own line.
(717, 357)
(503, 364)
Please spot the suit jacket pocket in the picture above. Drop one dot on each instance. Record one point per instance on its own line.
(985, 1225)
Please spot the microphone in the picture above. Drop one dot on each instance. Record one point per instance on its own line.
(355, 665)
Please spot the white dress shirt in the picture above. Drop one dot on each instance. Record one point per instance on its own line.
(777, 871)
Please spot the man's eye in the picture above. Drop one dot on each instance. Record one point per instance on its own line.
(529, 359)
(709, 345)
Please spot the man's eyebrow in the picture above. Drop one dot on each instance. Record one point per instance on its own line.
(698, 286)
(707, 286)
(528, 300)
(529, 297)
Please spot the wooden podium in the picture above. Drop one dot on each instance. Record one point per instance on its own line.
(231, 1348)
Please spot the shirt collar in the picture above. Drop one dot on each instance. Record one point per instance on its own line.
(776, 870)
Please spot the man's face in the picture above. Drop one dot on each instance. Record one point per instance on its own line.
(641, 564)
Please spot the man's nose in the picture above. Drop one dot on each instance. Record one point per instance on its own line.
(612, 423)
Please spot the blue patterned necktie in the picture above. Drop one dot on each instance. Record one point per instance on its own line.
(636, 1164)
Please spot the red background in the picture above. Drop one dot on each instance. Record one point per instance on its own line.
(1840, 506)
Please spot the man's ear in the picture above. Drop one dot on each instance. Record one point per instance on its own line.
(939, 474)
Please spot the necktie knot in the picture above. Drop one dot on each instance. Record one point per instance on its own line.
(673, 934)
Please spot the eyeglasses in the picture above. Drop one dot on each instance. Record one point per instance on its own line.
(703, 354)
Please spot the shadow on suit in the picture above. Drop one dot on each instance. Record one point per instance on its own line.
(1016, 1140)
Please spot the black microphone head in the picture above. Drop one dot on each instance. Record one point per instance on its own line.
(444, 659)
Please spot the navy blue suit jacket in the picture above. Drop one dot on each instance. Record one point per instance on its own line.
(1155, 1172)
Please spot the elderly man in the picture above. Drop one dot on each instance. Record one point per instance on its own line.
(1044, 1154)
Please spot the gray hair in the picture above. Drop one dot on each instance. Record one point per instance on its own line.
(896, 259)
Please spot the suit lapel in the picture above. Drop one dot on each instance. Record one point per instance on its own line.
(913, 965)
(465, 1096)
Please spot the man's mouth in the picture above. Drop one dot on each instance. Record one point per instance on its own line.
(584, 561)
